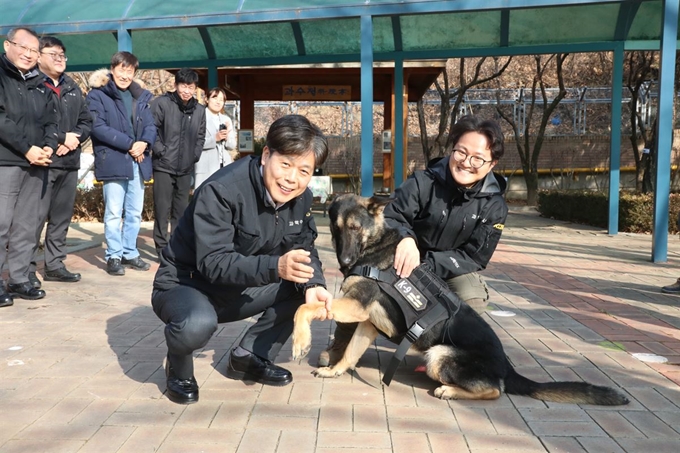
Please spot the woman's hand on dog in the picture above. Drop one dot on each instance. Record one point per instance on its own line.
(407, 257)
(320, 294)
(293, 266)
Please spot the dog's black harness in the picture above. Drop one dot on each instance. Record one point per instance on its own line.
(423, 297)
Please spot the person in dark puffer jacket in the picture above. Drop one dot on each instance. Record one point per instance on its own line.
(180, 121)
(28, 137)
(74, 123)
(123, 132)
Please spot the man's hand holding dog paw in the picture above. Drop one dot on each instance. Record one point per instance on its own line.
(407, 257)
(318, 294)
(293, 266)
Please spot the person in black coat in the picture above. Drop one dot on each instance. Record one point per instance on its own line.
(244, 246)
(74, 124)
(450, 215)
(28, 137)
(180, 121)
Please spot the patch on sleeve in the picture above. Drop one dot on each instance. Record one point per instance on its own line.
(499, 226)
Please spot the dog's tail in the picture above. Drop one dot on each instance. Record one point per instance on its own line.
(563, 392)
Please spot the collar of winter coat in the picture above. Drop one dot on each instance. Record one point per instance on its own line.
(187, 108)
(492, 183)
(102, 79)
(12, 70)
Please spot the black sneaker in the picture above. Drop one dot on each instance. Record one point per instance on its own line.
(136, 263)
(34, 280)
(113, 267)
(60, 275)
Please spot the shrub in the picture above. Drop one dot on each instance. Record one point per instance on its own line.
(89, 204)
(636, 211)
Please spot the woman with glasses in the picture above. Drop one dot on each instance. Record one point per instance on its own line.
(451, 216)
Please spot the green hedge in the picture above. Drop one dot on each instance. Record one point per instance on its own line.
(592, 208)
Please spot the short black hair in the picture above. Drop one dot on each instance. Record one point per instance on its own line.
(51, 41)
(187, 76)
(488, 128)
(124, 58)
(295, 134)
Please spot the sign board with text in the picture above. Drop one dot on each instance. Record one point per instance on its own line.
(317, 93)
(245, 140)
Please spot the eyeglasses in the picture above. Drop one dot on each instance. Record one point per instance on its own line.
(56, 56)
(24, 49)
(475, 161)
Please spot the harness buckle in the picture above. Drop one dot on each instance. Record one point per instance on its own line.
(371, 272)
(414, 332)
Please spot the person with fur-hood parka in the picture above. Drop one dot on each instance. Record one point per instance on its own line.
(123, 132)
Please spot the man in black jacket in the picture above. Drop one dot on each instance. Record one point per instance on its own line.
(74, 125)
(180, 121)
(244, 246)
(28, 137)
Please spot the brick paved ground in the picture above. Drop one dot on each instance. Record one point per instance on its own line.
(82, 370)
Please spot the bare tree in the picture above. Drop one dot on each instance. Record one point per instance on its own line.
(642, 69)
(448, 114)
(529, 155)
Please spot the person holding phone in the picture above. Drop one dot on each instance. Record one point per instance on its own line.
(220, 138)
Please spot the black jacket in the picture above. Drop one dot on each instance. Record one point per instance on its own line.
(457, 229)
(181, 134)
(28, 115)
(73, 116)
(231, 238)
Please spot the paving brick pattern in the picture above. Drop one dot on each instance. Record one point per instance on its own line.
(82, 369)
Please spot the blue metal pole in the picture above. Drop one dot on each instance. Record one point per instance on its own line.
(366, 106)
(398, 157)
(124, 40)
(615, 140)
(669, 36)
(212, 77)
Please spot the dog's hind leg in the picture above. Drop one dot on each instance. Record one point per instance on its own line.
(342, 310)
(454, 392)
(459, 382)
(363, 336)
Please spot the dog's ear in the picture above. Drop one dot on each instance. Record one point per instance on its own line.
(376, 205)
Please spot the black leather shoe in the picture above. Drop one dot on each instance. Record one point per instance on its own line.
(25, 291)
(61, 275)
(113, 267)
(255, 368)
(136, 263)
(180, 391)
(5, 299)
(34, 280)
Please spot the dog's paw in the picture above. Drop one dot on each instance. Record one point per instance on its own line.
(300, 348)
(446, 392)
(327, 372)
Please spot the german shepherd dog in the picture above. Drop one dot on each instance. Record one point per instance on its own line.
(467, 358)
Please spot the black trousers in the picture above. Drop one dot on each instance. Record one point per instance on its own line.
(191, 318)
(170, 199)
(56, 207)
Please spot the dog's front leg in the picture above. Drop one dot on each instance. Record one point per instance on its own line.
(363, 336)
(302, 331)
